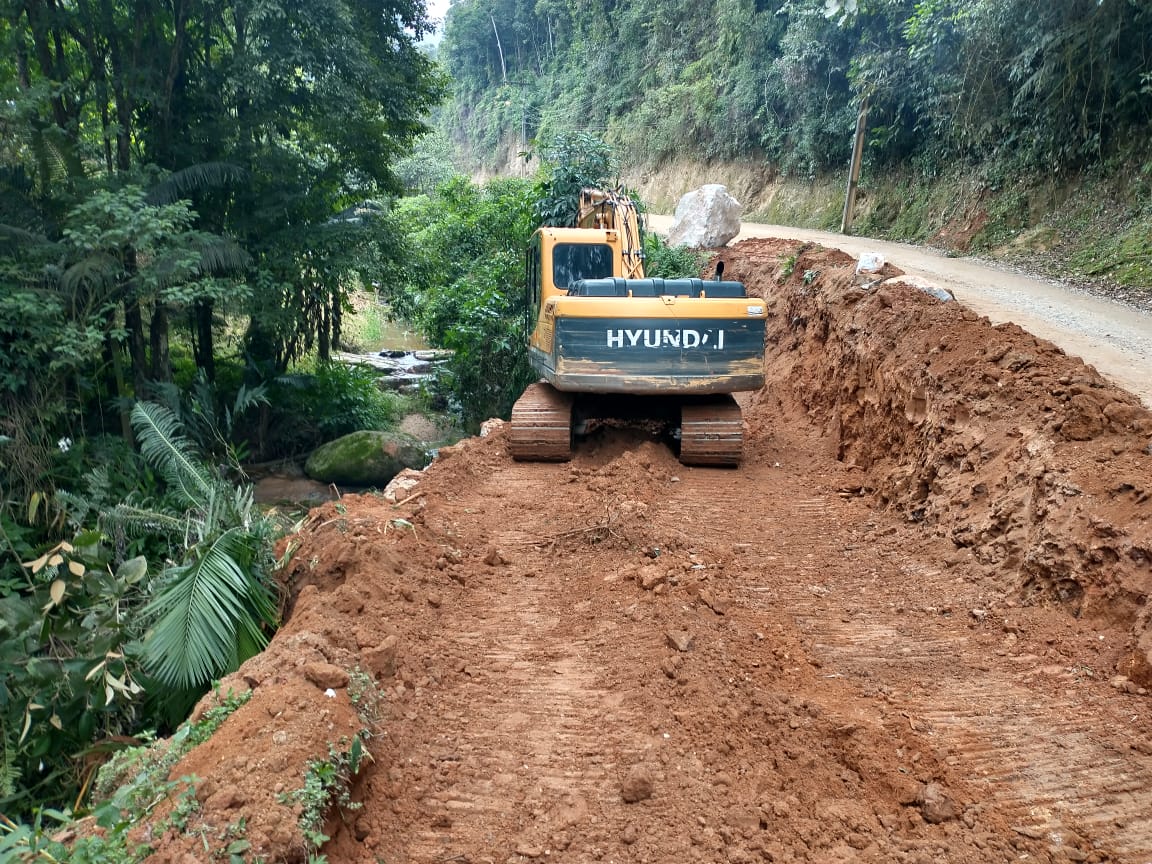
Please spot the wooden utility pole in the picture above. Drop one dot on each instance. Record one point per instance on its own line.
(854, 169)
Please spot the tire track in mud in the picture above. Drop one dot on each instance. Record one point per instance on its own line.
(523, 726)
(1060, 767)
(539, 738)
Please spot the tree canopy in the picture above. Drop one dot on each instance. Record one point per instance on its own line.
(1055, 84)
(206, 150)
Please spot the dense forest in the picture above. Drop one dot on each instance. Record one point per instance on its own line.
(1058, 85)
(189, 194)
(1010, 128)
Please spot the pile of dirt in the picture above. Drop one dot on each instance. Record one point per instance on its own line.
(621, 658)
(1026, 459)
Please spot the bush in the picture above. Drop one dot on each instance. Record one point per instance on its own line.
(671, 262)
(464, 290)
(331, 400)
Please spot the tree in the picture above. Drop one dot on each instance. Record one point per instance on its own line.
(268, 121)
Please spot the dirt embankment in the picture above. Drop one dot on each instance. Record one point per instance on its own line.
(891, 635)
(985, 435)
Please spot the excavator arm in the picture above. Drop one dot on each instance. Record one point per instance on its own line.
(613, 211)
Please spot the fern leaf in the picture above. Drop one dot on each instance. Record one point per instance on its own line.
(169, 452)
(220, 256)
(13, 232)
(205, 175)
(138, 521)
(99, 270)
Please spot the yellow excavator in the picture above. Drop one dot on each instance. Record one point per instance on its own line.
(612, 345)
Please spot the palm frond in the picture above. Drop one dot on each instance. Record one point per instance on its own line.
(220, 256)
(169, 452)
(206, 175)
(209, 608)
(140, 521)
(22, 235)
(98, 269)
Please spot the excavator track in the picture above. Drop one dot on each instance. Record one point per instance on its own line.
(541, 428)
(712, 433)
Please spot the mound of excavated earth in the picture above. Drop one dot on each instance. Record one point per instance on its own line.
(912, 627)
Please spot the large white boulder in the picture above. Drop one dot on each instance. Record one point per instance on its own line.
(706, 218)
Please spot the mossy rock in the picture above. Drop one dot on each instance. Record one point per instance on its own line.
(365, 458)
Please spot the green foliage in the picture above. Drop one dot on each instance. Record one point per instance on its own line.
(127, 789)
(327, 783)
(1124, 256)
(155, 190)
(71, 678)
(330, 400)
(1060, 85)
(671, 262)
(569, 163)
(213, 608)
(88, 629)
(464, 288)
(130, 779)
(428, 166)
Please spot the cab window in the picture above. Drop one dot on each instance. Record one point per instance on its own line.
(572, 262)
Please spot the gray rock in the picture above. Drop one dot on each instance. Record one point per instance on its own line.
(706, 218)
(935, 805)
(365, 458)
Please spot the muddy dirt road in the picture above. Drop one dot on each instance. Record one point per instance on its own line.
(1115, 338)
(912, 627)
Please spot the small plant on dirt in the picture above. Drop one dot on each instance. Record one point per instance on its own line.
(366, 698)
(127, 789)
(810, 276)
(232, 842)
(327, 782)
(787, 267)
(132, 776)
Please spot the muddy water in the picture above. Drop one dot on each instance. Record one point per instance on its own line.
(396, 336)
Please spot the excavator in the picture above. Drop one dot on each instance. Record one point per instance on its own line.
(611, 345)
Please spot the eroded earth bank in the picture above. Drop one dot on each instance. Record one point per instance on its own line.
(913, 626)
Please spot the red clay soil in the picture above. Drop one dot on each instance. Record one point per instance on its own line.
(911, 627)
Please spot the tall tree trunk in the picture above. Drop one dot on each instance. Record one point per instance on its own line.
(337, 319)
(499, 49)
(158, 337)
(134, 324)
(114, 376)
(205, 350)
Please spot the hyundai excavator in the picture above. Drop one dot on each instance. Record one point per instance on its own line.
(612, 345)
